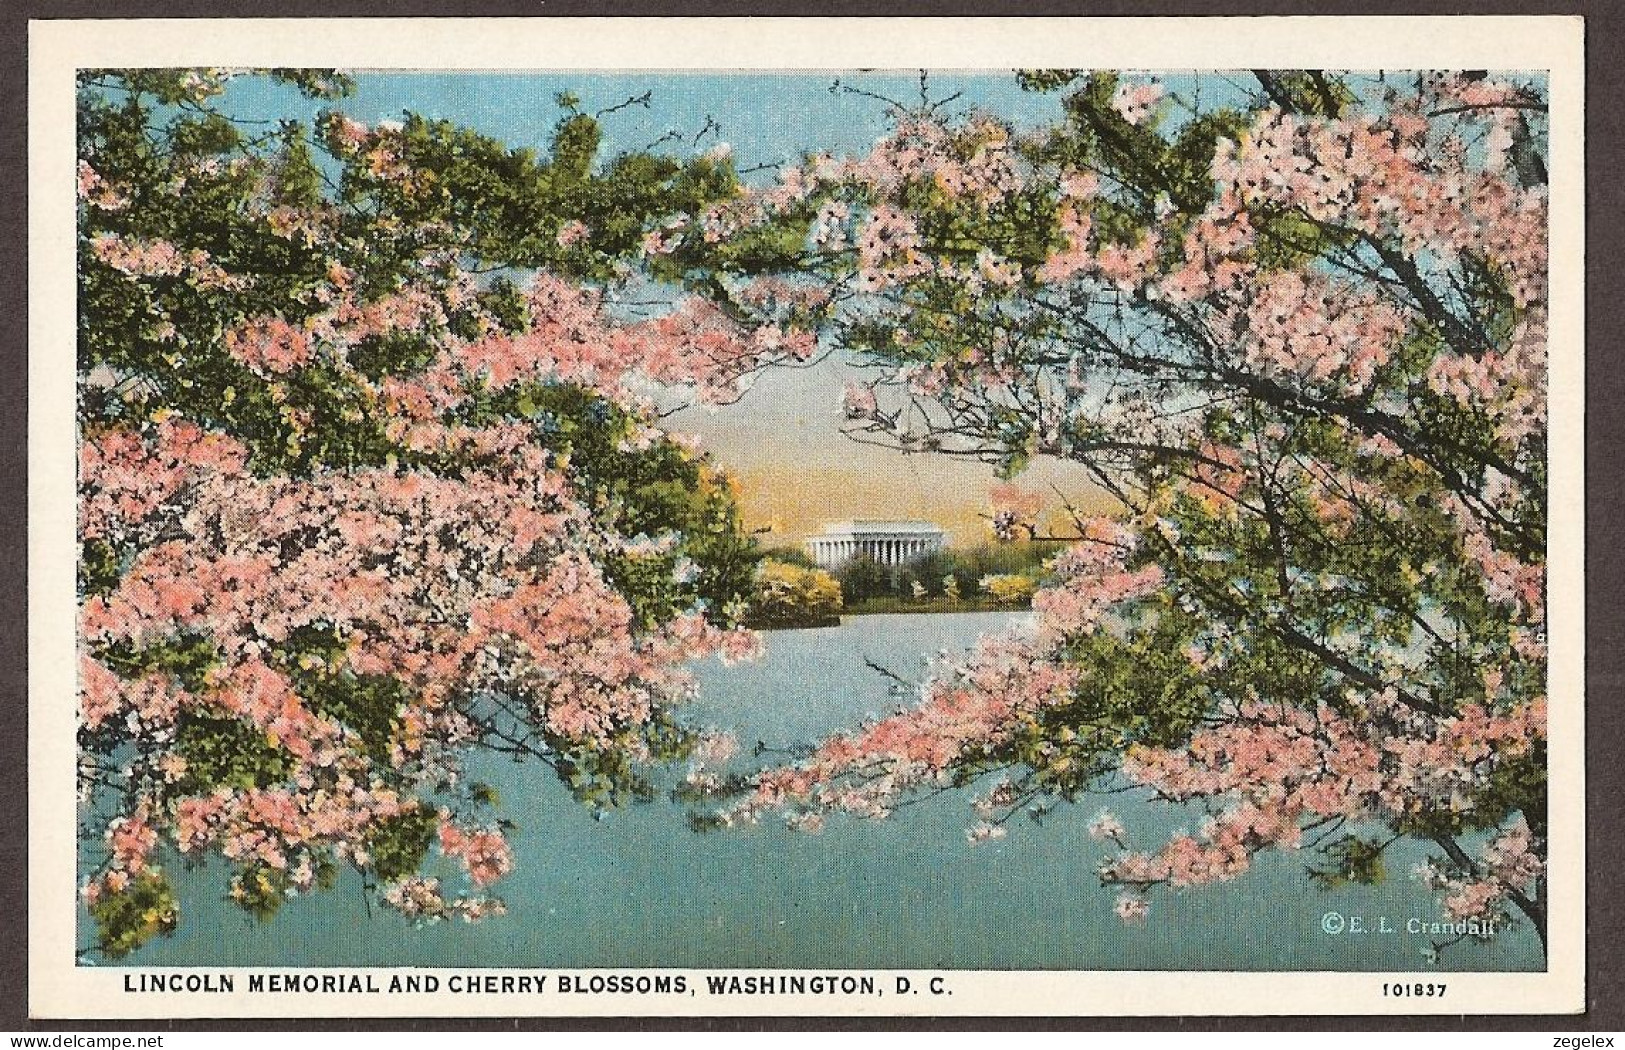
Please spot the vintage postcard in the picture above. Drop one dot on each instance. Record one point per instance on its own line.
(806, 517)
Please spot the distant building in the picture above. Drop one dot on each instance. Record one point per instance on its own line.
(885, 542)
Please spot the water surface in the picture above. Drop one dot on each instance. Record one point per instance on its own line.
(638, 888)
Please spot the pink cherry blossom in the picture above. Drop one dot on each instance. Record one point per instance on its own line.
(1131, 909)
(1134, 102)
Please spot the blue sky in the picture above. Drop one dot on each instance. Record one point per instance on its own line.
(765, 117)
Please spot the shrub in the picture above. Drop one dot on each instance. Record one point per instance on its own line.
(790, 595)
(1009, 589)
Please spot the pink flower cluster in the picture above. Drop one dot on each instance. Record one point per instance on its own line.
(450, 586)
(1217, 252)
(1507, 579)
(421, 899)
(141, 258)
(98, 192)
(140, 479)
(975, 162)
(1392, 177)
(131, 840)
(965, 712)
(1321, 331)
(1511, 859)
(1507, 385)
(1131, 908)
(1284, 768)
(484, 852)
(858, 401)
(572, 339)
(270, 345)
(1023, 503)
(1091, 578)
(1075, 254)
(144, 258)
(1506, 866)
(281, 827)
(1134, 102)
(1128, 266)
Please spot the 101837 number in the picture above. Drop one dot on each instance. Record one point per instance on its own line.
(1413, 990)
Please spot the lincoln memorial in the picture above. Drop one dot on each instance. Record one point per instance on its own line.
(885, 542)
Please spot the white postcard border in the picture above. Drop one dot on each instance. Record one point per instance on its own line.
(60, 989)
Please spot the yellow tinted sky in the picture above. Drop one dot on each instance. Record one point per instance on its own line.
(797, 471)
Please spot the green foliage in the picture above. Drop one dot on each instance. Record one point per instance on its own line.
(1312, 92)
(185, 657)
(398, 845)
(865, 581)
(145, 909)
(1350, 859)
(792, 596)
(100, 567)
(862, 578)
(260, 890)
(661, 490)
(796, 556)
(229, 753)
(1009, 589)
(367, 705)
(608, 778)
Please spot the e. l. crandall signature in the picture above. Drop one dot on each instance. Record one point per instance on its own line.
(1337, 924)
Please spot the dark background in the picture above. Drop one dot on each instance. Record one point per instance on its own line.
(1605, 481)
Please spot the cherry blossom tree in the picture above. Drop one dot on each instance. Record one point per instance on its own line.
(370, 477)
(1294, 327)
